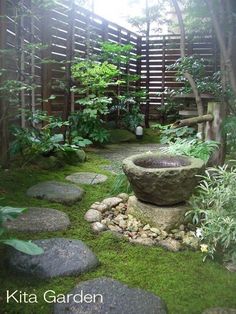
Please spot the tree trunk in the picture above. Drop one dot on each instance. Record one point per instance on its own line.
(213, 132)
(187, 75)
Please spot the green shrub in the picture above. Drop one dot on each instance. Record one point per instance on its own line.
(93, 79)
(214, 210)
(133, 118)
(44, 136)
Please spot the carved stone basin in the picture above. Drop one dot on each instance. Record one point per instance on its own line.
(162, 179)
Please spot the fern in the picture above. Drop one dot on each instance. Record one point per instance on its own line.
(193, 148)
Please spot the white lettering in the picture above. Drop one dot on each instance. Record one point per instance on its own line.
(9, 296)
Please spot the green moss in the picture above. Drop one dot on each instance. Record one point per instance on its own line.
(151, 136)
(186, 283)
(120, 135)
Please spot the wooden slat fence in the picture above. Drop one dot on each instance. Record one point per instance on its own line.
(68, 31)
(37, 47)
(164, 51)
(76, 32)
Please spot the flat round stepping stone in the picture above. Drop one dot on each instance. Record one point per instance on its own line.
(37, 219)
(61, 257)
(105, 295)
(86, 178)
(56, 192)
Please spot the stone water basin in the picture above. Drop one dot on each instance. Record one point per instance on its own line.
(163, 179)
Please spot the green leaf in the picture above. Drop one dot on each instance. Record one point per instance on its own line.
(57, 138)
(24, 246)
(10, 212)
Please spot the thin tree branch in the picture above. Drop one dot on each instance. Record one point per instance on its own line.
(187, 75)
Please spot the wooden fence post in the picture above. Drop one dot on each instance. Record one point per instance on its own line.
(69, 97)
(139, 54)
(213, 131)
(4, 128)
(21, 57)
(163, 72)
(46, 74)
(147, 107)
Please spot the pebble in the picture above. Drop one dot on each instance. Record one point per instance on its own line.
(102, 208)
(170, 245)
(115, 228)
(95, 205)
(143, 241)
(93, 215)
(112, 201)
(110, 215)
(98, 227)
(146, 227)
(123, 196)
(155, 230)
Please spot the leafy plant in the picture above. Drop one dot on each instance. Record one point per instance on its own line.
(197, 68)
(133, 118)
(229, 131)
(41, 136)
(169, 112)
(94, 76)
(214, 210)
(26, 247)
(170, 135)
(93, 79)
(122, 103)
(194, 148)
(117, 53)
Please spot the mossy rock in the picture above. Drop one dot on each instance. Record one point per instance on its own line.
(119, 136)
(51, 162)
(71, 157)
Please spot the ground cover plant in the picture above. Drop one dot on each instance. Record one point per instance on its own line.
(164, 273)
(213, 210)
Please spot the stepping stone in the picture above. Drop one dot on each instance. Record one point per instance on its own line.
(219, 310)
(56, 192)
(86, 178)
(111, 297)
(37, 219)
(61, 257)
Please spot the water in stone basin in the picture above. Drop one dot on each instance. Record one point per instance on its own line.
(167, 162)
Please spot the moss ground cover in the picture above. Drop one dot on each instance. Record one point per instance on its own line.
(186, 283)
